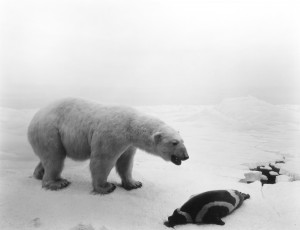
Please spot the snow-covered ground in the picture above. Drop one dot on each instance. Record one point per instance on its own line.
(222, 140)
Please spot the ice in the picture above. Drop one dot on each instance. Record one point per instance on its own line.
(267, 167)
(283, 178)
(274, 173)
(224, 141)
(264, 177)
(253, 176)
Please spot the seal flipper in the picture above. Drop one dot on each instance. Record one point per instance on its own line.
(168, 224)
(215, 220)
(218, 221)
(246, 196)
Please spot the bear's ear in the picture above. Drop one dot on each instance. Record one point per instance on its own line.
(157, 137)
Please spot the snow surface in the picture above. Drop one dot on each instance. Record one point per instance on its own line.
(223, 141)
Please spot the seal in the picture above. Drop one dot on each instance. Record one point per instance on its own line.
(208, 207)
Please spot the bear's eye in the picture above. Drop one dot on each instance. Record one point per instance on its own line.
(175, 143)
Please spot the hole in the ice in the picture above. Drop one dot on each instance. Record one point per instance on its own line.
(266, 173)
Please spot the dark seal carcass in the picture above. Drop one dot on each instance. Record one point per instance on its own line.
(208, 207)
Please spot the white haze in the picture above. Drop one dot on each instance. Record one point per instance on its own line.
(241, 56)
(149, 52)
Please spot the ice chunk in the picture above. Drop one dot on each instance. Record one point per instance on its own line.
(273, 173)
(253, 176)
(283, 178)
(264, 177)
(267, 167)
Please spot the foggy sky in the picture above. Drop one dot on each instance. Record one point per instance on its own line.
(149, 52)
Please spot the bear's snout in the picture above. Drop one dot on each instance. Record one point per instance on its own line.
(180, 155)
(185, 157)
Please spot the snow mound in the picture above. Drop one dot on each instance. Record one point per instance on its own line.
(252, 113)
(246, 113)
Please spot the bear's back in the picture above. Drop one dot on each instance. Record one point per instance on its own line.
(79, 110)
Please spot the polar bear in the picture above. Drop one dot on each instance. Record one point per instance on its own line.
(107, 135)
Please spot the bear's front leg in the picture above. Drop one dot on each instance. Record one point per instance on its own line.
(100, 169)
(124, 168)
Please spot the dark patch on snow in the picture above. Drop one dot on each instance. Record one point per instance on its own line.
(83, 227)
(36, 222)
(271, 179)
(269, 172)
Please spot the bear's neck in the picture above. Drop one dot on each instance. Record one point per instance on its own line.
(142, 130)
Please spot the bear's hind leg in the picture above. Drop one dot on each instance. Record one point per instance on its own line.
(124, 167)
(46, 143)
(53, 167)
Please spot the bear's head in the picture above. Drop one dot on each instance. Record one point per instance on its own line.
(169, 145)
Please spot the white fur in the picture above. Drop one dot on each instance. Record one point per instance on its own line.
(82, 129)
